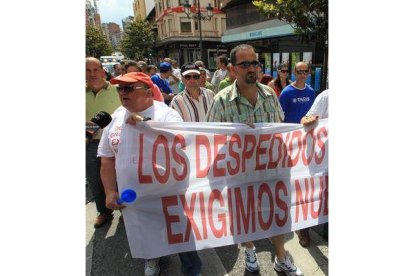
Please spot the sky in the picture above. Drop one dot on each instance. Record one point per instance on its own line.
(114, 10)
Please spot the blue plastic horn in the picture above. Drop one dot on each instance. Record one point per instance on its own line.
(127, 196)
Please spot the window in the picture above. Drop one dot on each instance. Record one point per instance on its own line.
(168, 4)
(182, 2)
(196, 25)
(160, 29)
(170, 26)
(164, 32)
(185, 25)
(190, 55)
(223, 25)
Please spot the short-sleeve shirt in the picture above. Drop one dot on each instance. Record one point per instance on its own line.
(161, 83)
(218, 76)
(230, 106)
(107, 99)
(108, 146)
(174, 86)
(296, 102)
(224, 83)
(320, 105)
(192, 110)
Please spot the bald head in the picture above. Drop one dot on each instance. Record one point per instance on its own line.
(94, 74)
(301, 65)
(94, 60)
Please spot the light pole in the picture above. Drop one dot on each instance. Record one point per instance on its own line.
(197, 15)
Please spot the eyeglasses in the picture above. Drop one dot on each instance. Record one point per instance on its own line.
(301, 72)
(284, 71)
(189, 77)
(246, 64)
(128, 89)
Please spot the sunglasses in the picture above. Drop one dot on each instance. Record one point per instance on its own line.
(246, 64)
(189, 77)
(301, 72)
(284, 71)
(128, 89)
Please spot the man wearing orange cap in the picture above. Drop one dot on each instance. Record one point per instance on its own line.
(136, 92)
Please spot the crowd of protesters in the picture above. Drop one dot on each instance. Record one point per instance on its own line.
(165, 92)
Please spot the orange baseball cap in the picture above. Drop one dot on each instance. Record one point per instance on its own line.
(133, 77)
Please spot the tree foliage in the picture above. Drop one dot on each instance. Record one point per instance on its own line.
(138, 40)
(96, 43)
(309, 18)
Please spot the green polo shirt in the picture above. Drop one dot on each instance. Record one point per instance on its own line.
(106, 99)
(230, 106)
(224, 83)
(209, 86)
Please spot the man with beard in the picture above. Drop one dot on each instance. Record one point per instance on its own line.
(248, 101)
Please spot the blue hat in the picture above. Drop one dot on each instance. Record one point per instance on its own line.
(165, 66)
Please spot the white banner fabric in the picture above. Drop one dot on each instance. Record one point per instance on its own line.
(204, 185)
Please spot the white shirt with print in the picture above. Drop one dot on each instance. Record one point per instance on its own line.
(108, 146)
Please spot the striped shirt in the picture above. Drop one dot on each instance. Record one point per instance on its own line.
(230, 106)
(192, 110)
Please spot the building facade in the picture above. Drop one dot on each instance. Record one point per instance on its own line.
(92, 15)
(112, 32)
(178, 37)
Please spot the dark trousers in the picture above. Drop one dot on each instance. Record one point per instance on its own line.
(190, 263)
(93, 176)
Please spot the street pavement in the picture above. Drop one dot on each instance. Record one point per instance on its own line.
(108, 254)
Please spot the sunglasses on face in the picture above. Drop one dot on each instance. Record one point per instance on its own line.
(284, 71)
(246, 64)
(301, 72)
(189, 77)
(128, 89)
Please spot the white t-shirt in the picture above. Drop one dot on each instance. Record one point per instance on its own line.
(218, 76)
(171, 81)
(320, 106)
(108, 146)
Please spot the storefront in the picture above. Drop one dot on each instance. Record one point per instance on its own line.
(275, 45)
(275, 41)
(184, 51)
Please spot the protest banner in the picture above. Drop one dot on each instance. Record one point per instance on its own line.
(204, 185)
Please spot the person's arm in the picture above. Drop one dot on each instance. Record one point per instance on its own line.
(108, 177)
